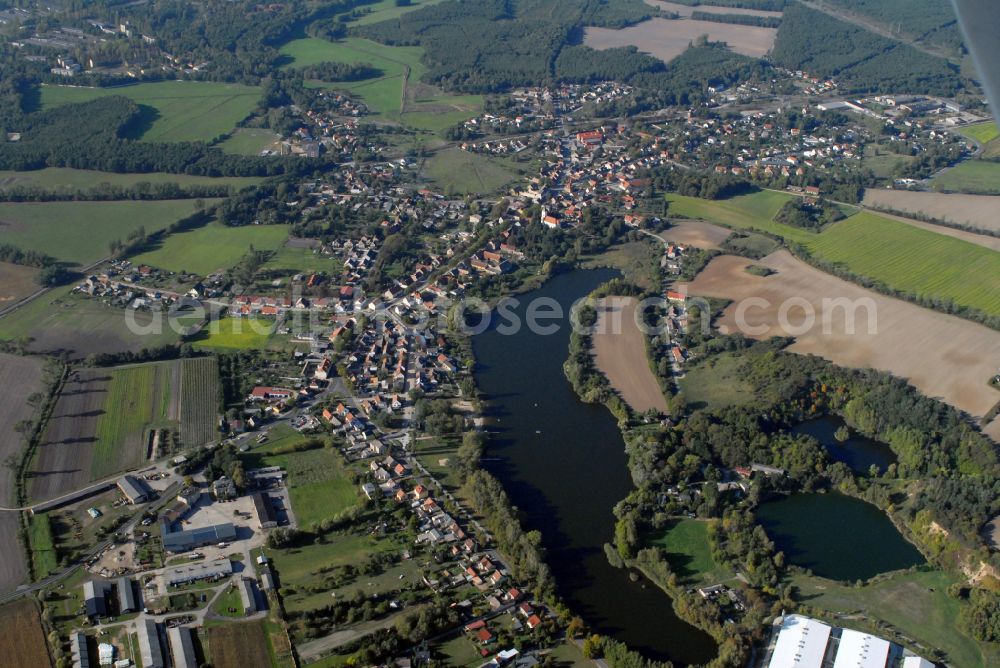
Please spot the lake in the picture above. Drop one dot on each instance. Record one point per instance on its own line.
(859, 452)
(563, 464)
(836, 536)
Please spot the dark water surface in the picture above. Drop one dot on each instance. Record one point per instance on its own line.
(859, 452)
(837, 536)
(563, 464)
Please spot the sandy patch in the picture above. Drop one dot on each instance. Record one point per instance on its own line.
(976, 210)
(620, 354)
(666, 39)
(696, 233)
(943, 356)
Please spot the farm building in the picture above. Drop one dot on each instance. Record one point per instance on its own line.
(95, 597)
(189, 539)
(266, 578)
(79, 650)
(193, 572)
(134, 489)
(266, 517)
(247, 596)
(149, 644)
(126, 596)
(182, 647)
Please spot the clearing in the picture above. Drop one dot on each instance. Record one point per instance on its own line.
(16, 283)
(976, 177)
(619, 349)
(685, 11)
(917, 605)
(941, 355)
(383, 10)
(81, 232)
(249, 141)
(171, 111)
(715, 382)
(213, 247)
(666, 38)
(397, 95)
(23, 638)
(900, 255)
(695, 233)
(68, 179)
(24, 373)
(688, 551)
(460, 172)
(978, 211)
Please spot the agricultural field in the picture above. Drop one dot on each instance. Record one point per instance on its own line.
(81, 232)
(211, 248)
(975, 177)
(917, 605)
(319, 485)
(235, 334)
(199, 398)
(977, 211)
(897, 254)
(887, 334)
(460, 172)
(67, 179)
(388, 96)
(24, 373)
(695, 233)
(23, 638)
(688, 551)
(619, 349)
(248, 141)
(666, 39)
(16, 283)
(172, 111)
(715, 382)
(238, 645)
(60, 322)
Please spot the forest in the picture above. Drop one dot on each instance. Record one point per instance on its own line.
(860, 60)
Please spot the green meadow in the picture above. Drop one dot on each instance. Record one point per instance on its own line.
(172, 110)
(688, 550)
(976, 177)
(458, 171)
(426, 108)
(982, 132)
(213, 247)
(385, 10)
(81, 232)
(235, 334)
(65, 178)
(896, 254)
(248, 141)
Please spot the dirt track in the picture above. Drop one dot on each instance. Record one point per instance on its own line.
(62, 463)
(943, 356)
(620, 354)
(24, 373)
(696, 233)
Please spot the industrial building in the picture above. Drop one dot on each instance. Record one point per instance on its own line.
(189, 539)
(180, 575)
(79, 650)
(266, 517)
(802, 642)
(182, 647)
(126, 596)
(133, 489)
(247, 596)
(95, 597)
(149, 644)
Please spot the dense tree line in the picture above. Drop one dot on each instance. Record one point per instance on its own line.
(808, 216)
(761, 5)
(738, 19)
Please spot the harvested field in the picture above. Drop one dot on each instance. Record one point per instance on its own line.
(16, 283)
(941, 355)
(686, 10)
(979, 211)
(666, 39)
(26, 374)
(237, 645)
(619, 349)
(62, 462)
(23, 641)
(696, 233)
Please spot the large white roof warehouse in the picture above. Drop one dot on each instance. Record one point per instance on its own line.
(801, 643)
(860, 650)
